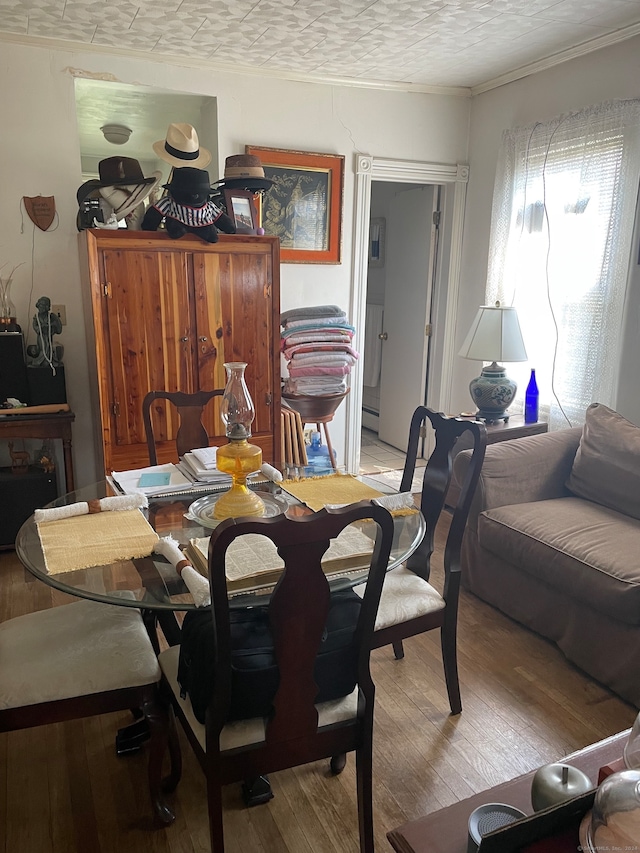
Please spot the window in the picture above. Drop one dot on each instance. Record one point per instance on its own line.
(561, 230)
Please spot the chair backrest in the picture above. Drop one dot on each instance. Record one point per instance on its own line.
(437, 479)
(298, 609)
(191, 432)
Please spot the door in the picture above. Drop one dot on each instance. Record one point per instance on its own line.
(239, 288)
(147, 316)
(407, 305)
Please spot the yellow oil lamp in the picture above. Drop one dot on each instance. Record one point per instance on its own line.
(238, 458)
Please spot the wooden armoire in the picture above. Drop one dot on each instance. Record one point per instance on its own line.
(166, 315)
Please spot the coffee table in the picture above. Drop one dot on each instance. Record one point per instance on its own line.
(446, 830)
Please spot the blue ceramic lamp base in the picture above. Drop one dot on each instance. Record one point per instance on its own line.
(493, 392)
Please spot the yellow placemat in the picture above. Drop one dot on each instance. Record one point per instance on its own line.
(95, 540)
(317, 492)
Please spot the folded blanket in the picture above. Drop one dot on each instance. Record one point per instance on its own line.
(339, 319)
(310, 311)
(331, 370)
(321, 358)
(315, 385)
(326, 337)
(296, 349)
(319, 330)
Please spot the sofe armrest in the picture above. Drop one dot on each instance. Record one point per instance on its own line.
(533, 468)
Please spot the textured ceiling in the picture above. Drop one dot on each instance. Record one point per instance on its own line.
(440, 43)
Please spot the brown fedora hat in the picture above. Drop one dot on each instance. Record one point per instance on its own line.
(245, 171)
(117, 171)
(181, 147)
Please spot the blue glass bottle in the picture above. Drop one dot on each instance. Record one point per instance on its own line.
(531, 401)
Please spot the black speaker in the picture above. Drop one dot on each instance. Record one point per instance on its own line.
(20, 494)
(13, 369)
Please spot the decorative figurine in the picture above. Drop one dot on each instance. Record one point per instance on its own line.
(46, 324)
(19, 460)
(187, 207)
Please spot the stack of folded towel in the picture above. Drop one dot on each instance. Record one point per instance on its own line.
(316, 341)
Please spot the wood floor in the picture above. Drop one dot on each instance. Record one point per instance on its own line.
(62, 788)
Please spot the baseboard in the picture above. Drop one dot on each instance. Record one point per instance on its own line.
(370, 420)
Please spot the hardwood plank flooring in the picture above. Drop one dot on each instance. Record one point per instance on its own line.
(63, 790)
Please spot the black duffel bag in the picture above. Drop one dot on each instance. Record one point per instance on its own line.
(254, 671)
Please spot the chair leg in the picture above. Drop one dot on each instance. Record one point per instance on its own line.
(448, 641)
(170, 782)
(364, 775)
(214, 804)
(398, 649)
(159, 728)
(338, 763)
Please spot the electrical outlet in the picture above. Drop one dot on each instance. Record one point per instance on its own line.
(61, 311)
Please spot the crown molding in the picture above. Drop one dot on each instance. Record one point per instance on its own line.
(558, 58)
(230, 68)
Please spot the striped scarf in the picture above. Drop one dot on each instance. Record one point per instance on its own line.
(196, 216)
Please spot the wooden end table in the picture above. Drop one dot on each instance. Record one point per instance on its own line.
(52, 425)
(446, 830)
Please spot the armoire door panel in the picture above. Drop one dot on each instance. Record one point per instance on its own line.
(166, 315)
(149, 337)
(234, 313)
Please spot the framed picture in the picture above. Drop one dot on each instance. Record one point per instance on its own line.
(377, 228)
(304, 206)
(241, 209)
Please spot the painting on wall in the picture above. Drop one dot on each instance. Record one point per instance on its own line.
(304, 206)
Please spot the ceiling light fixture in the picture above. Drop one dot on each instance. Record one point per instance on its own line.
(117, 134)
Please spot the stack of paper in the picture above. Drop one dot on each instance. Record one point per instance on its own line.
(154, 480)
(200, 466)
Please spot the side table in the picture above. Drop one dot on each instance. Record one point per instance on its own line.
(446, 830)
(48, 425)
(515, 427)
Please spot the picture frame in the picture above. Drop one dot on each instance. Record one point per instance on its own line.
(241, 209)
(304, 206)
(377, 236)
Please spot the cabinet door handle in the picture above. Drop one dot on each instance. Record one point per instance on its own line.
(203, 338)
(184, 340)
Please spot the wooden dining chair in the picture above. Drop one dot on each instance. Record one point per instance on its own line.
(190, 407)
(297, 731)
(83, 659)
(409, 604)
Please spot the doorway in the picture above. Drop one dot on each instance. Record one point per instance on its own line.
(398, 312)
(439, 295)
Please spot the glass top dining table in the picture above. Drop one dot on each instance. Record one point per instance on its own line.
(155, 582)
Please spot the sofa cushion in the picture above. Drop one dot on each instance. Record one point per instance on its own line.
(606, 468)
(573, 545)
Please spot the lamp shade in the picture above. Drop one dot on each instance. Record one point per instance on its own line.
(495, 336)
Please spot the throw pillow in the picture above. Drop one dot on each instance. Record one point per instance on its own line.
(606, 468)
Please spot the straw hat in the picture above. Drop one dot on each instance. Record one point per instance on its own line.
(181, 147)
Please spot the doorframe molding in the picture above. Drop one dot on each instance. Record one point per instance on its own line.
(454, 179)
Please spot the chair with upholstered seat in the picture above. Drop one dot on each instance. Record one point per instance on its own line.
(80, 660)
(409, 604)
(298, 731)
(190, 408)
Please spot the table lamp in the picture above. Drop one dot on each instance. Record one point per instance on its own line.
(238, 458)
(494, 336)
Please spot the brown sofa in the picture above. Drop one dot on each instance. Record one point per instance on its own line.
(553, 540)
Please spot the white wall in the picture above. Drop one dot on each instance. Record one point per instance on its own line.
(610, 73)
(40, 154)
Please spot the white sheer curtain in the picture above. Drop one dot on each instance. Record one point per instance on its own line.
(561, 229)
